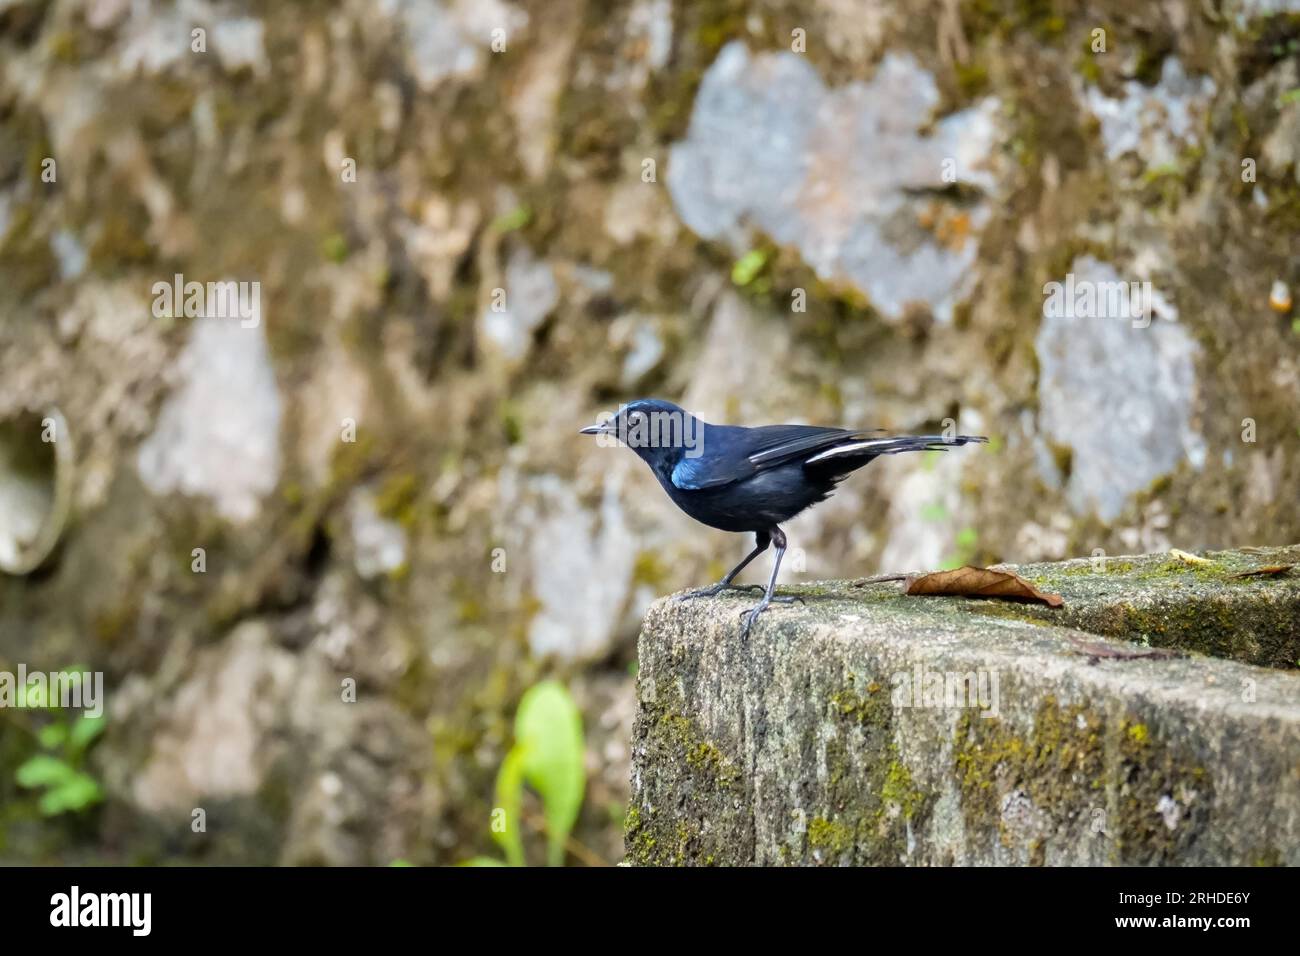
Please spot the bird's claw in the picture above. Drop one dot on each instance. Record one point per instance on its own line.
(750, 615)
(715, 589)
(782, 599)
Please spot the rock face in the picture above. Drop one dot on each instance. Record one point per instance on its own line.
(869, 727)
(836, 173)
(218, 434)
(1118, 394)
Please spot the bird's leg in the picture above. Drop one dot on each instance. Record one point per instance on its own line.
(762, 540)
(778, 536)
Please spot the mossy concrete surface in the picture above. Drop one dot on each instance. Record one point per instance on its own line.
(869, 727)
(1219, 603)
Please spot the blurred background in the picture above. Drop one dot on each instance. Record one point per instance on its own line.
(321, 552)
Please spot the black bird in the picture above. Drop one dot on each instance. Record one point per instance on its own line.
(750, 479)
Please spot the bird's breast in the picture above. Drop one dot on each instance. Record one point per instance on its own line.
(754, 504)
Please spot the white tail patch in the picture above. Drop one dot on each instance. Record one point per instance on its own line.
(850, 449)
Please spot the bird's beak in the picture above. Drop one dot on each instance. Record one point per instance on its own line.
(596, 430)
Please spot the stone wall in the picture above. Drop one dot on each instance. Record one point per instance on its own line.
(869, 727)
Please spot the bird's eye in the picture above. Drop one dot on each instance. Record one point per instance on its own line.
(636, 418)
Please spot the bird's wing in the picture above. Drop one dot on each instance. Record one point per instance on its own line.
(733, 454)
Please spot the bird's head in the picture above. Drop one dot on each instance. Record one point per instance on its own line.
(658, 431)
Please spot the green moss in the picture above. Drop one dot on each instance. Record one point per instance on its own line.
(639, 841)
(1005, 18)
(1068, 753)
(1063, 458)
(1284, 205)
(1087, 66)
(334, 247)
(63, 46)
(899, 790)
(112, 624)
(1153, 771)
(1246, 630)
(396, 498)
(697, 763)
(1263, 42)
(708, 757)
(830, 835)
(120, 241)
(469, 611)
(1063, 748)
(650, 570)
(873, 709)
(870, 796)
(351, 459)
(512, 422)
(699, 753)
(1150, 60)
(1201, 608)
(1270, 857)
(972, 79)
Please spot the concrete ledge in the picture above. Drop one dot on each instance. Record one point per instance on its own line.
(869, 727)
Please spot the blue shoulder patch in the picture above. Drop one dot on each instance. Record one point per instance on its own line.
(688, 474)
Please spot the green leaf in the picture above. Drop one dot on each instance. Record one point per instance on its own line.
(65, 788)
(548, 732)
(748, 267)
(84, 731)
(934, 511)
(52, 736)
(510, 789)
(51, 804)
(517, 218)
(334, 247)
(482, 861)
(77, 794)
(43, 770)
(399, 862)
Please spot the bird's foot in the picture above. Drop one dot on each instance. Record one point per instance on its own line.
(749, 617)
(715, 589)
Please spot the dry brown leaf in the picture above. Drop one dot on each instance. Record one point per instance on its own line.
(1273, 570)
(1186, 558)
(979, 582)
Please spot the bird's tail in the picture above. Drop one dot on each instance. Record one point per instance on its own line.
(857, 450)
